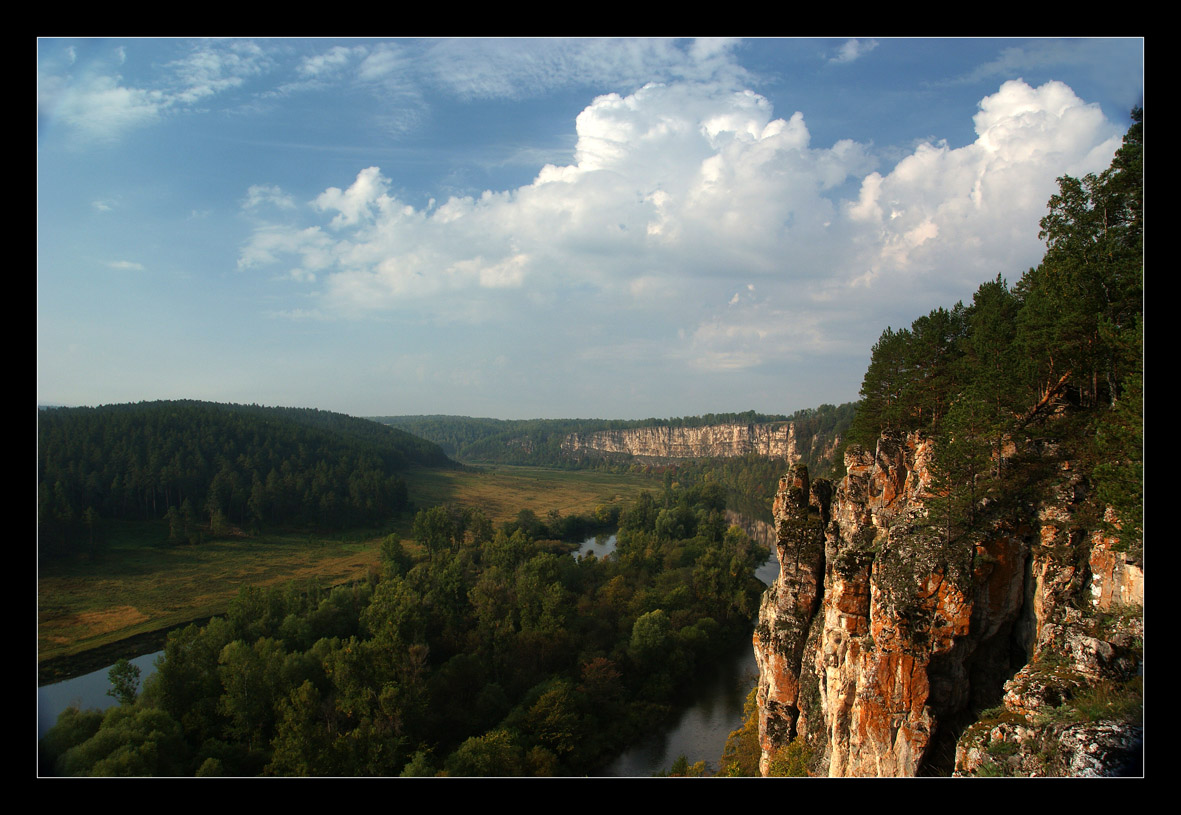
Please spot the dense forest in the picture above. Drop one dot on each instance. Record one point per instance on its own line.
(1066, 341)
(213, 466)
(487, 653)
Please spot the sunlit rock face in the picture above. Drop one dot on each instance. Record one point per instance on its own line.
(788, 607)
(728, 440)
(883, 638)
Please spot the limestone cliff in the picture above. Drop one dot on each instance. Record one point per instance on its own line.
(881, 642)
(774, 440)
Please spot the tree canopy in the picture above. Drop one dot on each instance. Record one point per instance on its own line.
(207, 466)
(1065, 340)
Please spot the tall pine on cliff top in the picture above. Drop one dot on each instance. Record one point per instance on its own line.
(1068, 335)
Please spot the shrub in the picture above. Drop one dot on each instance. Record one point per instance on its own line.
(791, 761)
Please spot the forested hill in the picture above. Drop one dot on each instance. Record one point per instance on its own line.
(539, 441)
(204, 464)
(1053, 362)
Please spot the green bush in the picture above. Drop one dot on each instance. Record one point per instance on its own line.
(791, 761)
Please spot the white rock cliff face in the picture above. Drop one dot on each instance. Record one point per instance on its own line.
(772, 440)
(878, 632)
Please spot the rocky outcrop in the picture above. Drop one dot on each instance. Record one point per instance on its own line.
(1074, 709)
(709, 441)
(788, 607)
(884, 637)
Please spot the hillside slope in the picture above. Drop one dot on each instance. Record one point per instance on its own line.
(214, 465)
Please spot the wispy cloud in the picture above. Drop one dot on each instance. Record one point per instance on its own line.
(331, 62)
(212, 69)
(97, 101)
(99, 106)
(473, 69)
(125, 264)
(1033, 54)
(260, 195)
(94, 100)
(298, 314)
(853, 50)
(1121, 72)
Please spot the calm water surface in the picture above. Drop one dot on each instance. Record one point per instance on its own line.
(600, 546)
(701, 732)
(87, 691)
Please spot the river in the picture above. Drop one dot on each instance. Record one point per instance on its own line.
(701, 731)
(699, 734)
(88, 691)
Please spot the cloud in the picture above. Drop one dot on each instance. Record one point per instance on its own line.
(853, 50)
(976, 208)
(1112, 65)
(331, 62)
(261, 195)
(298, 314)
(681, 194)
(270, 243)
(1038, 54)
(339, 66)
(209, 70)
(357, 202)
(95, 102)
(125, 264)
(515, 68)
(98, 105)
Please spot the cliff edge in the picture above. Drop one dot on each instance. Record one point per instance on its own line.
(889, 648)
(659, 443)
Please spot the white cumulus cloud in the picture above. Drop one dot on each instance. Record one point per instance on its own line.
(973, 210)
(357, 202)
(681, 194)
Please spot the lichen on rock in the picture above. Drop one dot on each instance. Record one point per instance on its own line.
(879, 631)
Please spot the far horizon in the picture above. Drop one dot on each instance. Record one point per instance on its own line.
(537, 228)
(785, 416)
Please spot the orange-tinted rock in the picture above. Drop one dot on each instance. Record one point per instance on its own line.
(882, 626)
(898, 617)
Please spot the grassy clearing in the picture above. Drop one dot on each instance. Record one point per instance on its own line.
(134, 589)
(137, 587)
(503, 491)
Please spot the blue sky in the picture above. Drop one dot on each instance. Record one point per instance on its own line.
(537, 228)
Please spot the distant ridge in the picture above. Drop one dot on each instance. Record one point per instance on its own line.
(555, 442)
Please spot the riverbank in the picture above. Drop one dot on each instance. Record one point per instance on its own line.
(71, 666)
